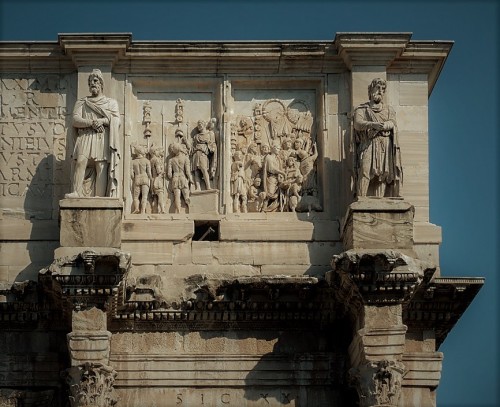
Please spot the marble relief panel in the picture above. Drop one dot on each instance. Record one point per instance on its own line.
(274, 151)
(173, 152)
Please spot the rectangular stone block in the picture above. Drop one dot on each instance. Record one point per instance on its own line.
(232, 252)
(182, 253)
(424, 368)
(215, 269)
(92, 346)
(202, 252)
(160, 252)
(91, 222)
(294, 270)
(21, 229)
(379, 223)
(259, 230)
(424, 232)
(413, 93)
(204, 202)
(279, 253)
(174, 229)
(280, 229)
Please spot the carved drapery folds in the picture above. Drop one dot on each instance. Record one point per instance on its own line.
(91, 385)
(378, 383)
(274, 153)
(377, 157)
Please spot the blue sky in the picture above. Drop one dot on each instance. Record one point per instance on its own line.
(463, 121)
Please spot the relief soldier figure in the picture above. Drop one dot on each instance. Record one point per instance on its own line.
(291, 185)
(378, 165)
(272, 174)
(204, 154)
(97, 153)
(141, 179)
(179, 174)
(158, 173)
(238, 183)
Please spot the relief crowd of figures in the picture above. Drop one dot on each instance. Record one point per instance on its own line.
(272, 164)
(273, 159)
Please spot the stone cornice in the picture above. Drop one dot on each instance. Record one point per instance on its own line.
(432, 56)
(34, 57)
(395, 51)
(358, 49)
(280, 302)
(94, 49)
(439, 304)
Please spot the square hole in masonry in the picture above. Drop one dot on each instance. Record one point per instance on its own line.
(206, 230)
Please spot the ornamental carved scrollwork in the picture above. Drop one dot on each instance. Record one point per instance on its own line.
(378, 383)
(91, 385)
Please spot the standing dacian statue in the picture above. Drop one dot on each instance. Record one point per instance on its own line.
(96, 154)
(378, 157)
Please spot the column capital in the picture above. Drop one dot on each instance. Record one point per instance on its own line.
(378, 383)
(91, 384)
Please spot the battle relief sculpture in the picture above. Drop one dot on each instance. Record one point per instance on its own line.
(377, 157)
(274, 153)
(96, 154)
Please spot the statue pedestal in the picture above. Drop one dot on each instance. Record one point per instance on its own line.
(204, 202)
(378, 223)
(90, 222)
(376, 275)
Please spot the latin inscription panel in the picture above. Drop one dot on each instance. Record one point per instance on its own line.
(33, 133)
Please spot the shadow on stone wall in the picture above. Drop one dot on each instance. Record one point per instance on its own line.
(38, 209)
(306, 367)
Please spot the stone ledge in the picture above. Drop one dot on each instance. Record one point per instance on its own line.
(22, 229)
(166, 230)
(91, 203)
(424, 369)
(283, 230)
(221, 369)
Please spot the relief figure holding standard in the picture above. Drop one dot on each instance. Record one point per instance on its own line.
(204, 154)
(96, 155)
(378, 156)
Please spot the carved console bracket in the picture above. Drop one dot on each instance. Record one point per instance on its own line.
(376, 277)
(87, 279)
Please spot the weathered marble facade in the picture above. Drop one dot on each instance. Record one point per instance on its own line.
(222, 248)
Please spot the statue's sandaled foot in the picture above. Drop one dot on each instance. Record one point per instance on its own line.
(73, 194)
